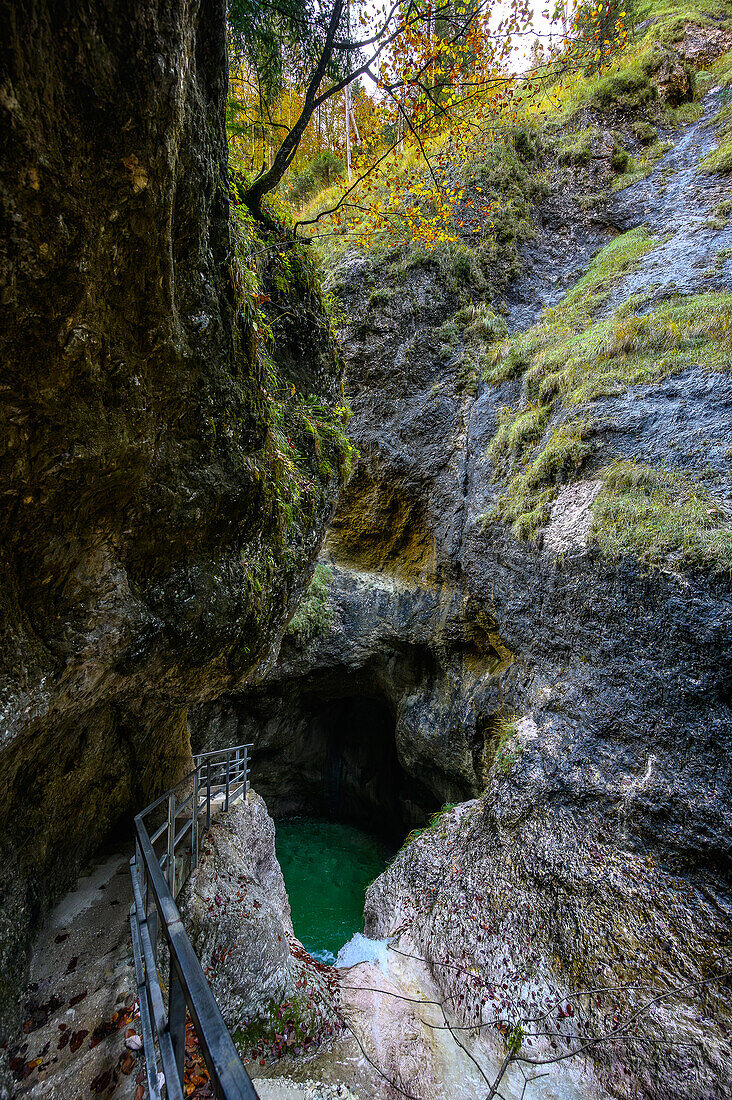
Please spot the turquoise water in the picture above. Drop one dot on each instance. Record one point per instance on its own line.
(327, 867)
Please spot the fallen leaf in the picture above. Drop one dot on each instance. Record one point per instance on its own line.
(101, 1081)
(78, 1038)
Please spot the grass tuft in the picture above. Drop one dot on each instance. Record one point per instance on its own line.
(661, 517)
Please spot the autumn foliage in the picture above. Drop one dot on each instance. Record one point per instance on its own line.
(399, 95)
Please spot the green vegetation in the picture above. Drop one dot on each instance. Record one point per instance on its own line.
(570, 358)
(517, 431)
(292, 1026)
(642, 164)
(508, 749)
(526, 502)
(661, 517)
(314, 615)
(719, 160)
(306, 448)
(477, 319)
(431, 825)
(576, 146)
(671, 16)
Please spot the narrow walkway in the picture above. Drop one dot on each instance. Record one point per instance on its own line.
(79, 1004)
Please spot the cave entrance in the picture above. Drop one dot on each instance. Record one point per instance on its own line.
(362, 779)
(334, 757)
(357, 803)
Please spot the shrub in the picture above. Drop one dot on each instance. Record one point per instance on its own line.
(326, 167)
(620, 159)
(301, 186)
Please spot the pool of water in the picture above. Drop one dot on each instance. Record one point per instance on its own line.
(327, 867)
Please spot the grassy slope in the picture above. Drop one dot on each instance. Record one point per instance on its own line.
(568, 359)
(572, 356)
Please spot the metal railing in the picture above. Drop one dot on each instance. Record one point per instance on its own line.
(218, 781)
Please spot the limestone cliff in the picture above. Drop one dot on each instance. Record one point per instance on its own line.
(526, 593)
(155, 534)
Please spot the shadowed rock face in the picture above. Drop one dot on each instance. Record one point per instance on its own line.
(143, 561)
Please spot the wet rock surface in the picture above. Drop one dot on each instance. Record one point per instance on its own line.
(677, 202)
(673, 422)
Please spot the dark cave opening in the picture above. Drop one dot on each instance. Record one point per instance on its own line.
(340, 763)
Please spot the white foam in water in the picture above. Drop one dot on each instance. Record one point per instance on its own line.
(361, 949)
(324, 956)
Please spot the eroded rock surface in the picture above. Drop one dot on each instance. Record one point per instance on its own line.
(518, 909)
(145, 559)
(236, 912)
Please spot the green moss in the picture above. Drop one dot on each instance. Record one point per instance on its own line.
(671, 16)
(644, 132)
(661, 517)
(292, 1026)
(314, 615)
(642, 164)
(621, 160)
(466, 379)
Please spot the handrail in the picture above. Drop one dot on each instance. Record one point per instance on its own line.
(156, 881)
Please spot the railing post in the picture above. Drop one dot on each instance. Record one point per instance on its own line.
(177, 1020)
(246, 771)
(171, 842)
(237, 773)
(151, 910)
(226, 798)
(194, 823)
(208, 793)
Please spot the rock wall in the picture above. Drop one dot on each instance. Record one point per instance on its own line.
(581, 690)
(145, 560)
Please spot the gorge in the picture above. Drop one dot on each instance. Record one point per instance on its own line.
(500, 645)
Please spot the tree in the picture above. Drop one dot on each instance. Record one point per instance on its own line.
(437, 65)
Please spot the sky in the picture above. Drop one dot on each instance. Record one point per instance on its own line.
(541, 24)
